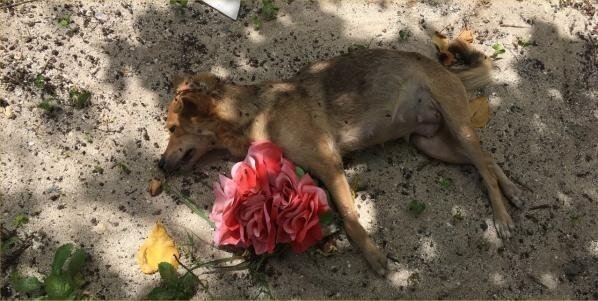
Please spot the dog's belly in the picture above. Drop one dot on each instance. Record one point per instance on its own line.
(375, 126)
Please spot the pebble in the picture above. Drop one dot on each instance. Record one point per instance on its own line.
(9, 113)
(101, 17)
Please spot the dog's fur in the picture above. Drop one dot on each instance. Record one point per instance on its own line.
(339, 105)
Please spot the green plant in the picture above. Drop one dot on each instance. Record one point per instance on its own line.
(40, 81)
(445, 183)
(174, 287)
(65, 281)
(19, 220)
(64, 21)
(48, 105)
(268, 12)
(80, 98)
(179, 2)
(524, 42)
(404, 34)
(257, 22)
(416, 208)
(498, 50)
(355, 47)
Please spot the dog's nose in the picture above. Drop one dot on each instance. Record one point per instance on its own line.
(161, 163)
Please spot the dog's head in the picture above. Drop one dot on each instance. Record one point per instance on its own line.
(194, 121)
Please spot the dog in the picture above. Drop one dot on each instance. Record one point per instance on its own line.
(335, 106)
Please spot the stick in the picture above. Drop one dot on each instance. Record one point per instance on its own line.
(16, 4)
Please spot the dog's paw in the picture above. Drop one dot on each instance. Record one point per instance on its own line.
(504, 225)
(514, 194)
(375, 257)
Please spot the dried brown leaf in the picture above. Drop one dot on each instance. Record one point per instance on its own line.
(466, 36)
(480, 111)
(154, 187)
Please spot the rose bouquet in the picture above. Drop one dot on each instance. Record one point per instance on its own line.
(267, 201)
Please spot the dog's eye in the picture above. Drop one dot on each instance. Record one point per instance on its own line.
(171, 129)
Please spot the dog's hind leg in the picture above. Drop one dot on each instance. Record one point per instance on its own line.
(452, 103)
(317, 153)
(444, 147)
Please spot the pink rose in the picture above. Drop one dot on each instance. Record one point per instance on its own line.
(228, 230)
(298, 209)
(265, 203)
(265, 158)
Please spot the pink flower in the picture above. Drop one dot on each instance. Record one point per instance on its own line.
(299, 215)
(265, 203)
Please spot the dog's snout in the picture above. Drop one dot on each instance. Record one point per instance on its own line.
(161, 163)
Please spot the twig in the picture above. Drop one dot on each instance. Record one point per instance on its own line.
(201, 213)
(16, 4)
(513, 25)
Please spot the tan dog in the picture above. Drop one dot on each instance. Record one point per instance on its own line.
(339, 105)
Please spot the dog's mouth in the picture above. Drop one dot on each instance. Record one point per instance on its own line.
(186, 159)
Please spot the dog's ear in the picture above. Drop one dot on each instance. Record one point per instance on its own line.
(189, 106)
(179, 79)
(208, 83)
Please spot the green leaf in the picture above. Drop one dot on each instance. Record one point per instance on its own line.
(60, 257)
(416, 208)
(189, 283)
(498, 49)
(40, 81)
(64, 21)
(20, 220)
(299, 171)
(327, 218)
(59, 286)
(25, 284)
(168, 273)
(162, 293)
(77, 261)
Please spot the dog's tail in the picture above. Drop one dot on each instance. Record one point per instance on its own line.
(474, 68)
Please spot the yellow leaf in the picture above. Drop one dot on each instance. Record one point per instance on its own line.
(480, 111)
(466, 36)
(441, 41)
(157, 247)
(442, 45)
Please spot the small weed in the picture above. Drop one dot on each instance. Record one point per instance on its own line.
(64, 282)
(416, 208)
(124, 168)
(445, 183)
(355, 47)
(98, 170)
(268, 12)
(257, 22)
(40, 81)
(88, 138)
(80, 99)
(48, 106)
(525, 42)
(19, 220)
(64, 21)
(498, 50)
(181, 3)
(174, 287)
(404, 34)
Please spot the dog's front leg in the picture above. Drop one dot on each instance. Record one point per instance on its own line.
(326, 163)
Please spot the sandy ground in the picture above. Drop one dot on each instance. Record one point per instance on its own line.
(63, 170)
